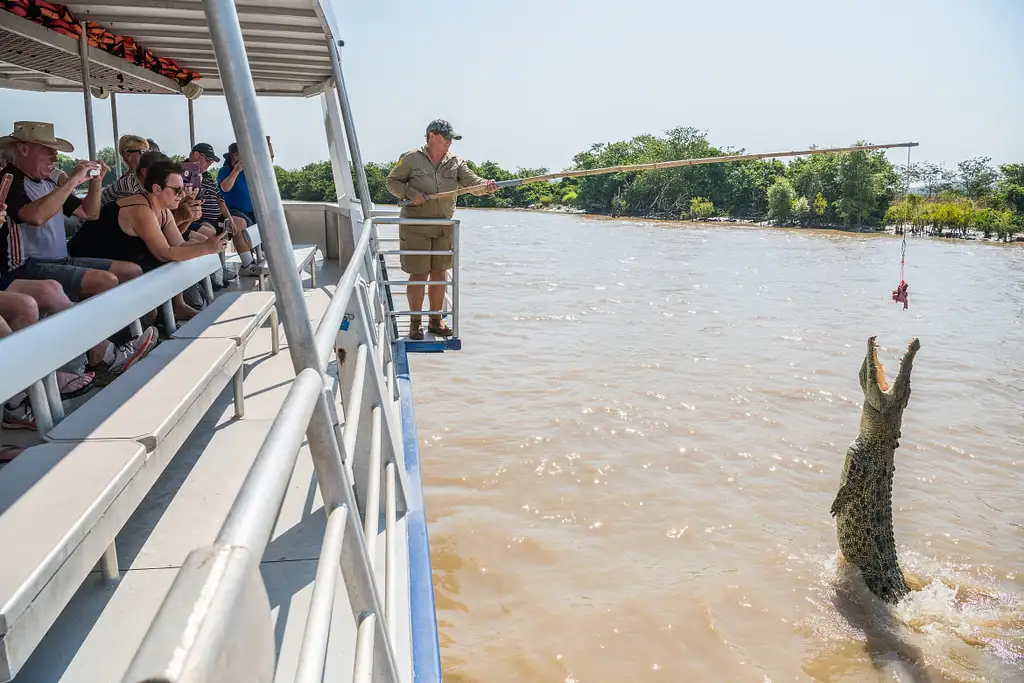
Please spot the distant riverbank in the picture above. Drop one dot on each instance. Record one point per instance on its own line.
(970, 235)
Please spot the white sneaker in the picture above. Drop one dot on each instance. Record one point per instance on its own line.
(125, 356)
(128, 354)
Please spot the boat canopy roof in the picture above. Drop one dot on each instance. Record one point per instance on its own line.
(285, 40)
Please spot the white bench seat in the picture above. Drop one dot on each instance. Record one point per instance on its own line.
(235, 316)
(57, 518)
(160, 400)
(62, 504)
(305, 257)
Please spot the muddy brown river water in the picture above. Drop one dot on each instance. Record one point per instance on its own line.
(628, 469)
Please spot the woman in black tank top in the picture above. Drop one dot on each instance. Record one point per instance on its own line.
(142, 230)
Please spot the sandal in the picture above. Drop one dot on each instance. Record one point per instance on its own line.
(416, 333)
(19, 415)
(72, 385)
(439, 328)
(9, 453)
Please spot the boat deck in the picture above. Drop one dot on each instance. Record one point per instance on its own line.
(100, 630)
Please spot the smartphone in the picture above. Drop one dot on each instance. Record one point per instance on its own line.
(93, 172)
(192, 175)
(5, 186)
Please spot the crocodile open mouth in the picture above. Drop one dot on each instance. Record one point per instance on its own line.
(882, 384)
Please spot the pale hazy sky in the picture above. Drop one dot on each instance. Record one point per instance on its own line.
(531, 82)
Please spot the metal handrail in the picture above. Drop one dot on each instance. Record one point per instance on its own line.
(327, 331)
(453, 311)
(401, 220)
(313, 652)
(251, 520)
(237, 590)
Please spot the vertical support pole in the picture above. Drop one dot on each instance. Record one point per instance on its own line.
(333, 126)
(108, 563)
(53, 398)
(136, 327)
(334, 47)
(335, 485)
(117, 135)
(275, 331)
(239, 387)
(167, 313)
(240, 92)
(90, 129)
(455, 279)
(40, 408)
(191, 125)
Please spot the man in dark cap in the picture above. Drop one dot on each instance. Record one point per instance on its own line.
(428, 170)
(216, 217)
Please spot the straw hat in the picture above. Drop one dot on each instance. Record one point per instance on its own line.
(38, 132)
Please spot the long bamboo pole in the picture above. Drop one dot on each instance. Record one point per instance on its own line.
(515, 182)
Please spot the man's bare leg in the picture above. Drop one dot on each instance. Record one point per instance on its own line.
(7, 452)
(182, 311)
(51, 299)
(17, 310)
(415, 295)
(436, 293)
(125, 270)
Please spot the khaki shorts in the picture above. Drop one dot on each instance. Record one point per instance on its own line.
(425, 238)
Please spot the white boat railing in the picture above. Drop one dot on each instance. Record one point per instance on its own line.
(214, 623)
(451, 307)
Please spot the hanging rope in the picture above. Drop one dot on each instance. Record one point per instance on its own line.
(899, 295)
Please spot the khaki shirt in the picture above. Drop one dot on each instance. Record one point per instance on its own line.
(415, 172)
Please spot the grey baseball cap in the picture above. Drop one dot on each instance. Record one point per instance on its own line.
(442, 127)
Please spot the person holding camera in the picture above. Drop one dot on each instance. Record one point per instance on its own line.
(142, 229)
(34, 244)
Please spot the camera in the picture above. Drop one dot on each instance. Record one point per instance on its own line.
(191, 174)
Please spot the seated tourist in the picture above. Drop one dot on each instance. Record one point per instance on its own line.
(18, 310)
(34, 234)
(141, 229)
(8, 452)
(130, 181)
(33, 240)
(233, 185)
(217, 218)
(21, 302)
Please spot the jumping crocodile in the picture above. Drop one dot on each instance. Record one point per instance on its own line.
(863, 505)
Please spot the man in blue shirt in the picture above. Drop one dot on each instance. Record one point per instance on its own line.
(233, 185)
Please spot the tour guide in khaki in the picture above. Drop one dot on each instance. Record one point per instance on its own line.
(419, 172)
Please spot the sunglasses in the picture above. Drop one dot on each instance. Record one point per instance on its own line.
(178, 189)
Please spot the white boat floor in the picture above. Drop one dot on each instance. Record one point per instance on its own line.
(102, 627)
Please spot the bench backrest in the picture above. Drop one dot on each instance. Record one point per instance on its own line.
(253, 234)
(41, 348)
